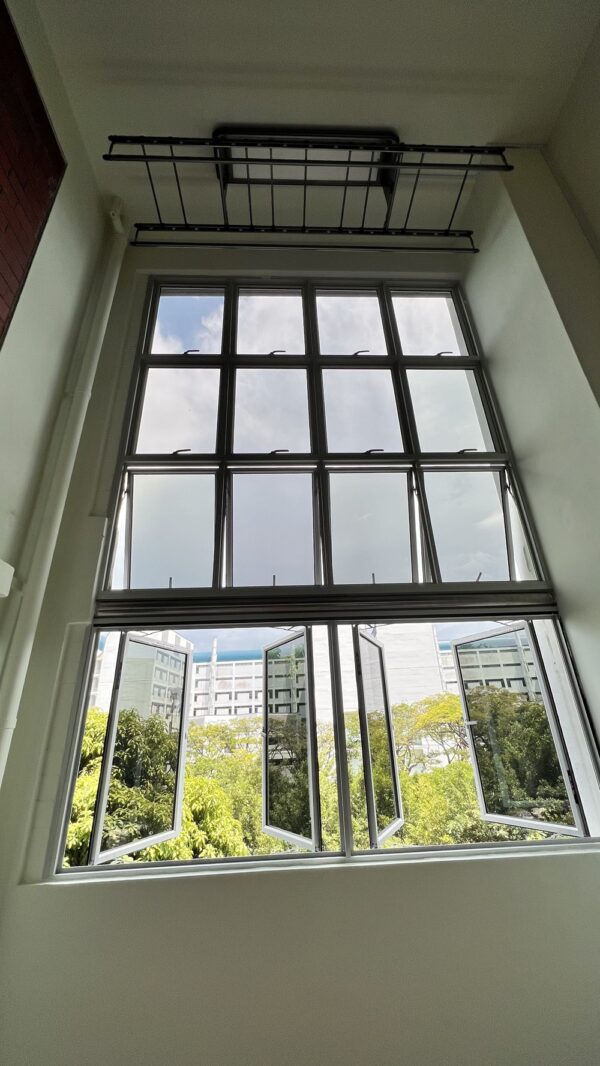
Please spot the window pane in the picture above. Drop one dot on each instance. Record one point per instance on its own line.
(348, 324)
(468, 525)
(428, 325)
(141, 794)
(172, 536)
(179, 411)
(270, 321)
(506, 724)
(188, 321)
(286, 727)
(369, 528)
(273, 529)
(448, 411)
(271, 411)
(376, 713)
(361, 412)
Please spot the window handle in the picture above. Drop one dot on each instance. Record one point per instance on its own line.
(179, 451)
(192, 351)
(278, 351)
(370, 451)
(278, 451)
(443, 353)
(362, 351)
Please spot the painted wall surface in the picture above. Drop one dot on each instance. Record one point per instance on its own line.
(40, 342)
(490, 960)
(551, 414)
(573, 149)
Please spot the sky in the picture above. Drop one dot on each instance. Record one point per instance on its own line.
(272, 520)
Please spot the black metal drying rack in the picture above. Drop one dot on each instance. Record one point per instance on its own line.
(378, 183)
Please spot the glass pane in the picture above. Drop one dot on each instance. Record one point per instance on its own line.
(288, 796)
(351, 323)
(361, 412)
(448, 411)
(376, 711)
(188, 322)
(273, 529)
(271, 411)
(518, 768)
(141, 793)
(468, 525)
(270, 322)
(525, 568)
(179, 411)
(172, 535)
(428, 325)
(369, 528)
(92, 748)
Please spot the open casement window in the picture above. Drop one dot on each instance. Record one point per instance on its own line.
(382, 787)
(140, 793)
(522, 773)
(291, 810)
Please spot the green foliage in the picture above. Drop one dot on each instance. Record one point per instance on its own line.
(222, 805)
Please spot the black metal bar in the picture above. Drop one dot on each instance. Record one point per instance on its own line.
(249, 189)
(345, 187)
(272, 190)
(223, 193)
(149, 173)
(471, 249)
(179, 189)
(364, 214)
(460, 191)
(412, 195)
(368, 231)
(391, 198)
(252, 161)
(305, 188)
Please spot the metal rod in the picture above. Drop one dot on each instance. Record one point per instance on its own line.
(305, 188)
(272, 190)
(149, 172)
(179, 189)
(257, 161)
(364, 214)
(412, 195)
(471, 250)
(223, 193)
(249, 189)
(345, 186)
(462, 185)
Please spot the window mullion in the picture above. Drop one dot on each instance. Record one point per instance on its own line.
(222, 556)
(410, 436)
(318, 435)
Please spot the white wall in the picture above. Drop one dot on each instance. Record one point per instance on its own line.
(551, 414)
(41, 338)
(453, 962)
(573, 149)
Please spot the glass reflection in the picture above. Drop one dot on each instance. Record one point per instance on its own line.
(517, 763)
(376, 712)
(179, 411)
(270, 322)
(188, 322)
(143, 777)
(349, 324)
(369, 527)
(273, 529)
(360, 411)
(288, 794)
(468, 525)
(448, 411)
(172, 534)
(271, 411)
(428, 325)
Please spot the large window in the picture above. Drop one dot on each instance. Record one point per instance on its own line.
(324, 623)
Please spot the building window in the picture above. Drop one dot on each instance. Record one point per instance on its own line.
(326, 464)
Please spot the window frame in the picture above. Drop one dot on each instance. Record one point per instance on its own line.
(428, 599)
(579, 829)
(313, 843)
(377, 837)
(98, 855)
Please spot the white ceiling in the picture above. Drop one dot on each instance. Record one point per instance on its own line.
(446, 71)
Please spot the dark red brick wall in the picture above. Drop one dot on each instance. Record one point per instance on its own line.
(31, 168)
